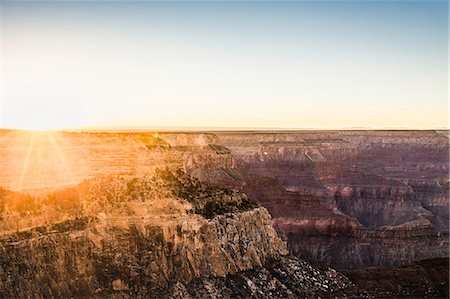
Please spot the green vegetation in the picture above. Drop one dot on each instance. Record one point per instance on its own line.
(14, 202)
(65, 200)
(112, 193)
(152, 141)
(207, 201)
(17, 209)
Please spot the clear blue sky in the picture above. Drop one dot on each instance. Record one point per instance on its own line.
(328, 64)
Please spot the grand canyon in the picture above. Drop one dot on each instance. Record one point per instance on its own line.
(224, 214)
(224, 149)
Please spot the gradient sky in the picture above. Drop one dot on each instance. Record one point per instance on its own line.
(378, 64)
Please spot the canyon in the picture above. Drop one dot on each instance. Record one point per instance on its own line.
(351, 200)
(348, 199)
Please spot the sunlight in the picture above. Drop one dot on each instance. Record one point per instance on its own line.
(7, 136)
(44, 127)
(38, 156)
(42, 118)
(26, 160)
(55, 141)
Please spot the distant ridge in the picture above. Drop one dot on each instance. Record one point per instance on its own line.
(221, 129)
(202, 129)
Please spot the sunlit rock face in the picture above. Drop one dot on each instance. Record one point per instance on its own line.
(40, 161)
(138, 255)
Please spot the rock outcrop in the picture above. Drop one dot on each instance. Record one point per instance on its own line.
(140, 256)
(286, 277)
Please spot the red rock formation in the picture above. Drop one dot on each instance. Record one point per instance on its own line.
(349, 199)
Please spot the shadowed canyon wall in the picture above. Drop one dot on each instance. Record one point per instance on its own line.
(349, 199)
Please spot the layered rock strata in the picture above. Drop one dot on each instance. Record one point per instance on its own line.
(85, 257)
(348, 199)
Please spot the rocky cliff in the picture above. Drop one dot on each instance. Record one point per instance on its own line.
(141, 256)
(349, 199)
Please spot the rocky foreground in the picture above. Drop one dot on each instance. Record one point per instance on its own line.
(66, 264)
(286, 277)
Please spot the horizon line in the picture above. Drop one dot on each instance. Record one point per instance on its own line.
(112, 129)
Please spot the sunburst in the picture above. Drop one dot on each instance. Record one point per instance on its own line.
(56, 141)
(26, 161)
(41, 148)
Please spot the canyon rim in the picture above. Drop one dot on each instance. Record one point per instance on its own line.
(224, 149)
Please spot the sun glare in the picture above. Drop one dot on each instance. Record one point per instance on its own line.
(33, 148)
(42, 126)
(36, 118)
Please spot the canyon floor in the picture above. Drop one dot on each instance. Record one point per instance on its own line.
(239, 214)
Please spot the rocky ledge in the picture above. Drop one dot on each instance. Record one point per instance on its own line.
(237, 255)
(136, 254)
(286, 277)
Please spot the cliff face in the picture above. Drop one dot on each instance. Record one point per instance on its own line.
(348, 199)
(100, 256)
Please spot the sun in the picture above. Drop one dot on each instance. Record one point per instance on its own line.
(44, 123)
(41, 114)
(42, 127)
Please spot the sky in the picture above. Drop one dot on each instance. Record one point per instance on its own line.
(219, 64)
